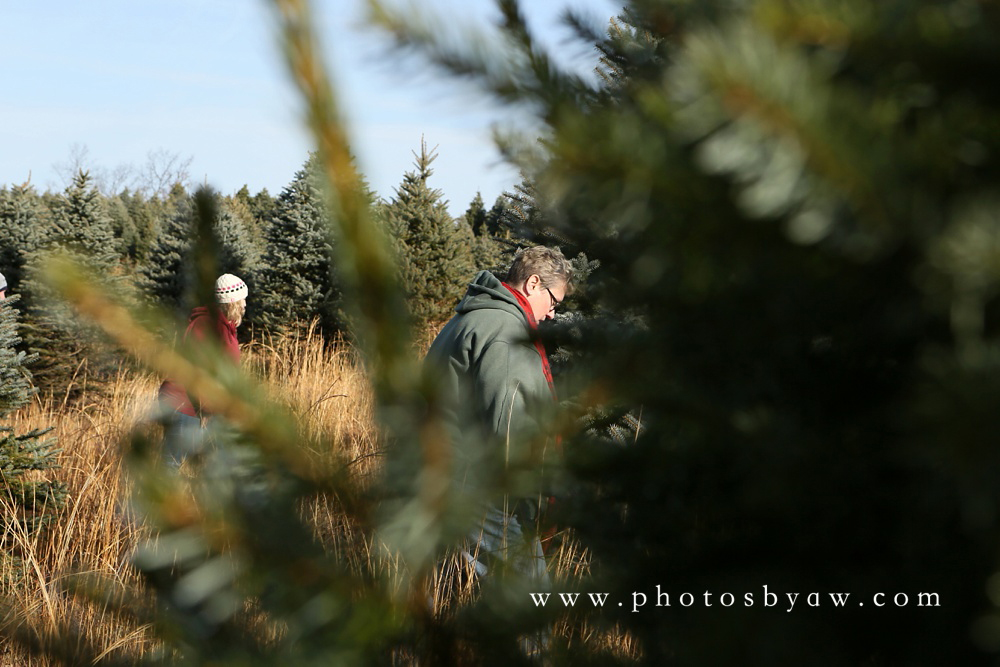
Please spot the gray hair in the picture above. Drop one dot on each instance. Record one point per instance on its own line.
(547, 263)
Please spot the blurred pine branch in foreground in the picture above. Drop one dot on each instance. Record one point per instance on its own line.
(329, 392)
(790, 208)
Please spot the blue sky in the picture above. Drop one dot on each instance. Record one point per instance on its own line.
(111, 81)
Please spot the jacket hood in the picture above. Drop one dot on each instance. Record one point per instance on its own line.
(486, 292)
(199, 311)
(202, 311)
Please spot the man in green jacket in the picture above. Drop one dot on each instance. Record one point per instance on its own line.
(496, 389)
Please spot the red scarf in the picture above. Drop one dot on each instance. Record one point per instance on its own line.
(533, 323)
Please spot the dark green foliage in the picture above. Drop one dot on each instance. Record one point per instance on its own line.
(246, 212)
(145, 214)
(631, 53)
(168, 275)
(260, 206)
(69, 354)
(436, 259)
(28, 502)
(770, 224)
(15, 387)
(165, 275)
(297, 277)
(487, 251)
(475, 216)
(494, 220)
(21, 222)
(238, 253)
(81, 225)
(517, 220)
(137, 231)
(522, 219)
(125, 230)
(793, 207)
(790, 215)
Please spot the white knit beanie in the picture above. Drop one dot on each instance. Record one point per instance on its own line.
(230, 289)
(3, 282)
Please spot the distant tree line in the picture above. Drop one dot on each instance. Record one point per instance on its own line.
(141, 241)
(794, 207)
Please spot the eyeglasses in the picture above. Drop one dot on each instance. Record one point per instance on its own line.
(554, 300)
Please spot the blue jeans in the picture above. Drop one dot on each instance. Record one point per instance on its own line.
(500, 541)
(182, 437)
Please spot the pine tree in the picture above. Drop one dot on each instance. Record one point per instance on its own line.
(495, 227)
(238, 253)
(797, 230)
(33, 501)
(124, 227)
(21, 222)
(487, 252)
(475, 215)
(793, 210)
(521, 220)
(260, 206)
(297, 274)
(83, 226)
(168, 275)
(436, 261)
(245, 210)
(631, 52)
(143, 213)
(70, 354)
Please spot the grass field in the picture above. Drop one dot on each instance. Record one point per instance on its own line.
(325, 386)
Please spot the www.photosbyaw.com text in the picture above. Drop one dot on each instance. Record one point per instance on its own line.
(787, 601)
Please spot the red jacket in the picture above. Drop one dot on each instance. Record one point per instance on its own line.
(198, 328)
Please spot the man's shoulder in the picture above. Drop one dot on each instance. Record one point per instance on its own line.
(478, 329)
(498, 320)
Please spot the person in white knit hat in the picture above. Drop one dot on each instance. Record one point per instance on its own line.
(3, 287)
(182, 437)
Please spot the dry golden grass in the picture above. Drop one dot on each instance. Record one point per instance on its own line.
(90, 534)
(324, 385)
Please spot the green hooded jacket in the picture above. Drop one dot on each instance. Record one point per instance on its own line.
(493, 388)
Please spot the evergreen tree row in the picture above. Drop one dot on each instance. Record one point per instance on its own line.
(29, 502)
(283, 247)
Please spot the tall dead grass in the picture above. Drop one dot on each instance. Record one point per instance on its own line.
(323, 384)
(90, 534)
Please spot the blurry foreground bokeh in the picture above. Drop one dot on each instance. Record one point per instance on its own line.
(779, 382)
